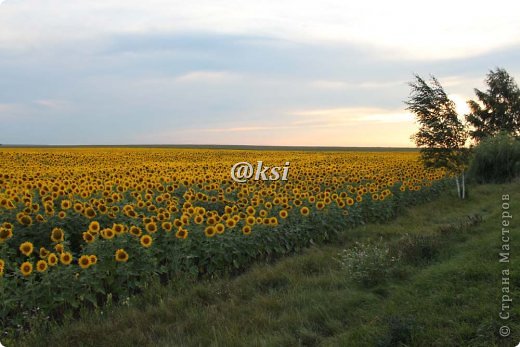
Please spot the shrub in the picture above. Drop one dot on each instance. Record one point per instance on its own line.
(496, 160)
(368, 263)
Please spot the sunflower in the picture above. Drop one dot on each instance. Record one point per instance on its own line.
(2, 267)
(5, 234)
(89, 213)
(320, 205)
(78, 207)
(52, 259)
(57, 235)
(25, 220)
(88, 237)
(230, 223)
(198, 219)
(94, 226)
(305, 211)
(135, 231)
(26, 248)
(108, 233)
(26, 268)
(118, 228)
(246, 229)
(84, 261)
(181, 233)
(146, 241)
(102, 209)
(41, 266)
(66, 204)
(167, 226)
(219, 228)
(121, 256)
(59, 248)
(93, 259)
(283, 214)
(151, 227)
(250, 220)
(66, 258)
(210, 231)
(62, 215)
(44, 252)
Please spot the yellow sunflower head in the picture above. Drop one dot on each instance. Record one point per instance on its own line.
(26, 268)
(210, 231)
(66, 258)
(121, 256)
(41, 266)
(26, 248)
(146, 241)
(52, 259)
(246, 229)
(94, 226)
(57, 235)
(181, 233)
(84, 261)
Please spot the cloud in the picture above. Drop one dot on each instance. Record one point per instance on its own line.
(403, 28)
(207, 77)
(53, 104)
(119, 83)
(348, 115)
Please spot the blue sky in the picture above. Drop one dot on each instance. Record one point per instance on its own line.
(329, 73)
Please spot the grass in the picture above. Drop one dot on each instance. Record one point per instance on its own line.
(444, 291)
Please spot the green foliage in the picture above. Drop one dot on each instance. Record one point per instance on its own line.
(451, 302)
(441, 136)
(496, 160)
(368, 263)
(497, 109)
(170, 257)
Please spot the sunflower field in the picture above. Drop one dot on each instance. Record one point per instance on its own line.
(81, 226)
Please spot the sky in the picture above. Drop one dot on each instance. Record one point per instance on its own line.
(270, 72)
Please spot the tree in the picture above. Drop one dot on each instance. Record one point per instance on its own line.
(441, 136)
(498, 109)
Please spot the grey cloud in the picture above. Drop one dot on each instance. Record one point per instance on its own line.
(118, 88)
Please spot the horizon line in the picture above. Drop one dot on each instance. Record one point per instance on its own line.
(208, 146)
